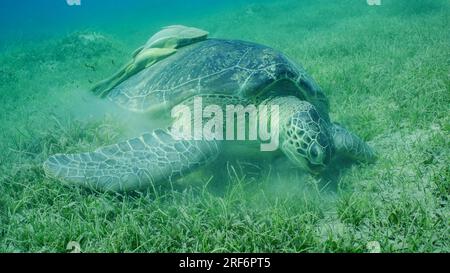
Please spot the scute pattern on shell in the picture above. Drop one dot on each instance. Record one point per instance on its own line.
(209, 67)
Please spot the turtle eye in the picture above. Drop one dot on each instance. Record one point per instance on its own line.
(315, 153)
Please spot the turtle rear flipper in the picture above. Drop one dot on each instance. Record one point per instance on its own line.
(351, 146)
(133, 164)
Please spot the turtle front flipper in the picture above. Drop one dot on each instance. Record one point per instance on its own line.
(134, 164)
(351, 146)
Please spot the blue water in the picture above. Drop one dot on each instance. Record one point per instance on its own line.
(31, 19)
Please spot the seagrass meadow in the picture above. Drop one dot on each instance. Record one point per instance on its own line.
(385, 70)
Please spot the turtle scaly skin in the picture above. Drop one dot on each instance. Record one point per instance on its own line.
(133, 164)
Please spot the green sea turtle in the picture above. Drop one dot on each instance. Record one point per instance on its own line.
(221, 72)
(161, 45)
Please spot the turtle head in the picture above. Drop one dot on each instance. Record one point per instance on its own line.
(306, 138)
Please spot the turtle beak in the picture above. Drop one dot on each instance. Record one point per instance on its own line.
(315, 169)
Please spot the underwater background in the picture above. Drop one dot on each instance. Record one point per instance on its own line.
(384, 68)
